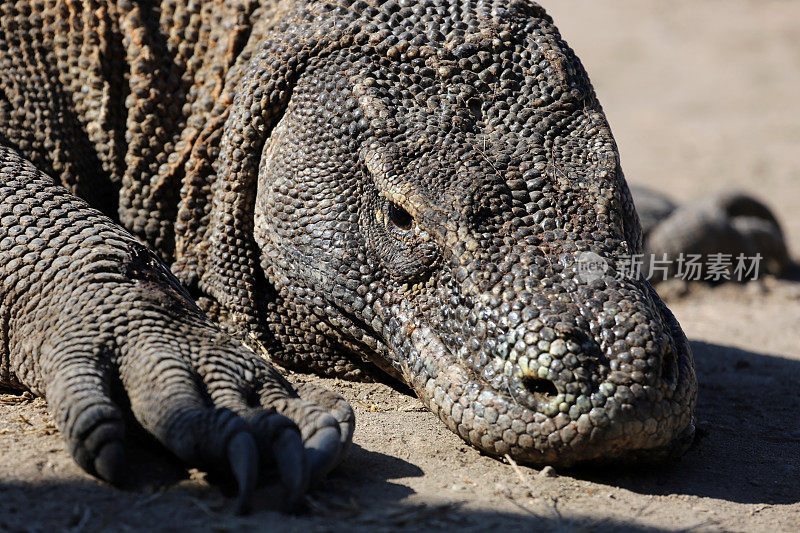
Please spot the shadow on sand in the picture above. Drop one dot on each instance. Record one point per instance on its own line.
(748, 449)
(49, 506)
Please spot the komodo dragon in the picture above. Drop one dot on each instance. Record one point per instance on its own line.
(348, 186)
(729, 222)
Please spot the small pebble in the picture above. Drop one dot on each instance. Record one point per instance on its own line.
(547, 471)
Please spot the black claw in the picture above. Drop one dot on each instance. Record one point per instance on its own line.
(322, 450)
(287, 447)
(110, 463)
(243, 459)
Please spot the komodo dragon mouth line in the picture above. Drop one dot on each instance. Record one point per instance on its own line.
(500, 421)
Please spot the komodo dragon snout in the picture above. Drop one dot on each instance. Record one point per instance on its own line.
(426, 207)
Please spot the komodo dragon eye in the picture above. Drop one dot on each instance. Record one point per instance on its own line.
(399, 217)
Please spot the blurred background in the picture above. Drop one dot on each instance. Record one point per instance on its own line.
(701, 94)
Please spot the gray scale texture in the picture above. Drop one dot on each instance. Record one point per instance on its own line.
(350, 187)
(730, 222)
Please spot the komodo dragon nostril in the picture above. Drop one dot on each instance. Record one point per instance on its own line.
(540, 387)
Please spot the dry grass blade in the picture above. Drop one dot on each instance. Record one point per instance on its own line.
(16, 399)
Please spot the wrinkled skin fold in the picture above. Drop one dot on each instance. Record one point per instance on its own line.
(354, 187)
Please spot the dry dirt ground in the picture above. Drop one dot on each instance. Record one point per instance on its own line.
(702, 94)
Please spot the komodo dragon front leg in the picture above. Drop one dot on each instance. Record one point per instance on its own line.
(96, 323)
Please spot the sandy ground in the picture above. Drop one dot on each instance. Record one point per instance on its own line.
(701, 95)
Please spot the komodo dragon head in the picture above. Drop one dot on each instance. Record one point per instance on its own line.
(414, 185)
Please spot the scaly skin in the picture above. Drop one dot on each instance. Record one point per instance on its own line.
(352, 186)
(96, 323)
(727, 222)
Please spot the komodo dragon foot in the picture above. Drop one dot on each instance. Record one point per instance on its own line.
(98, 325)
